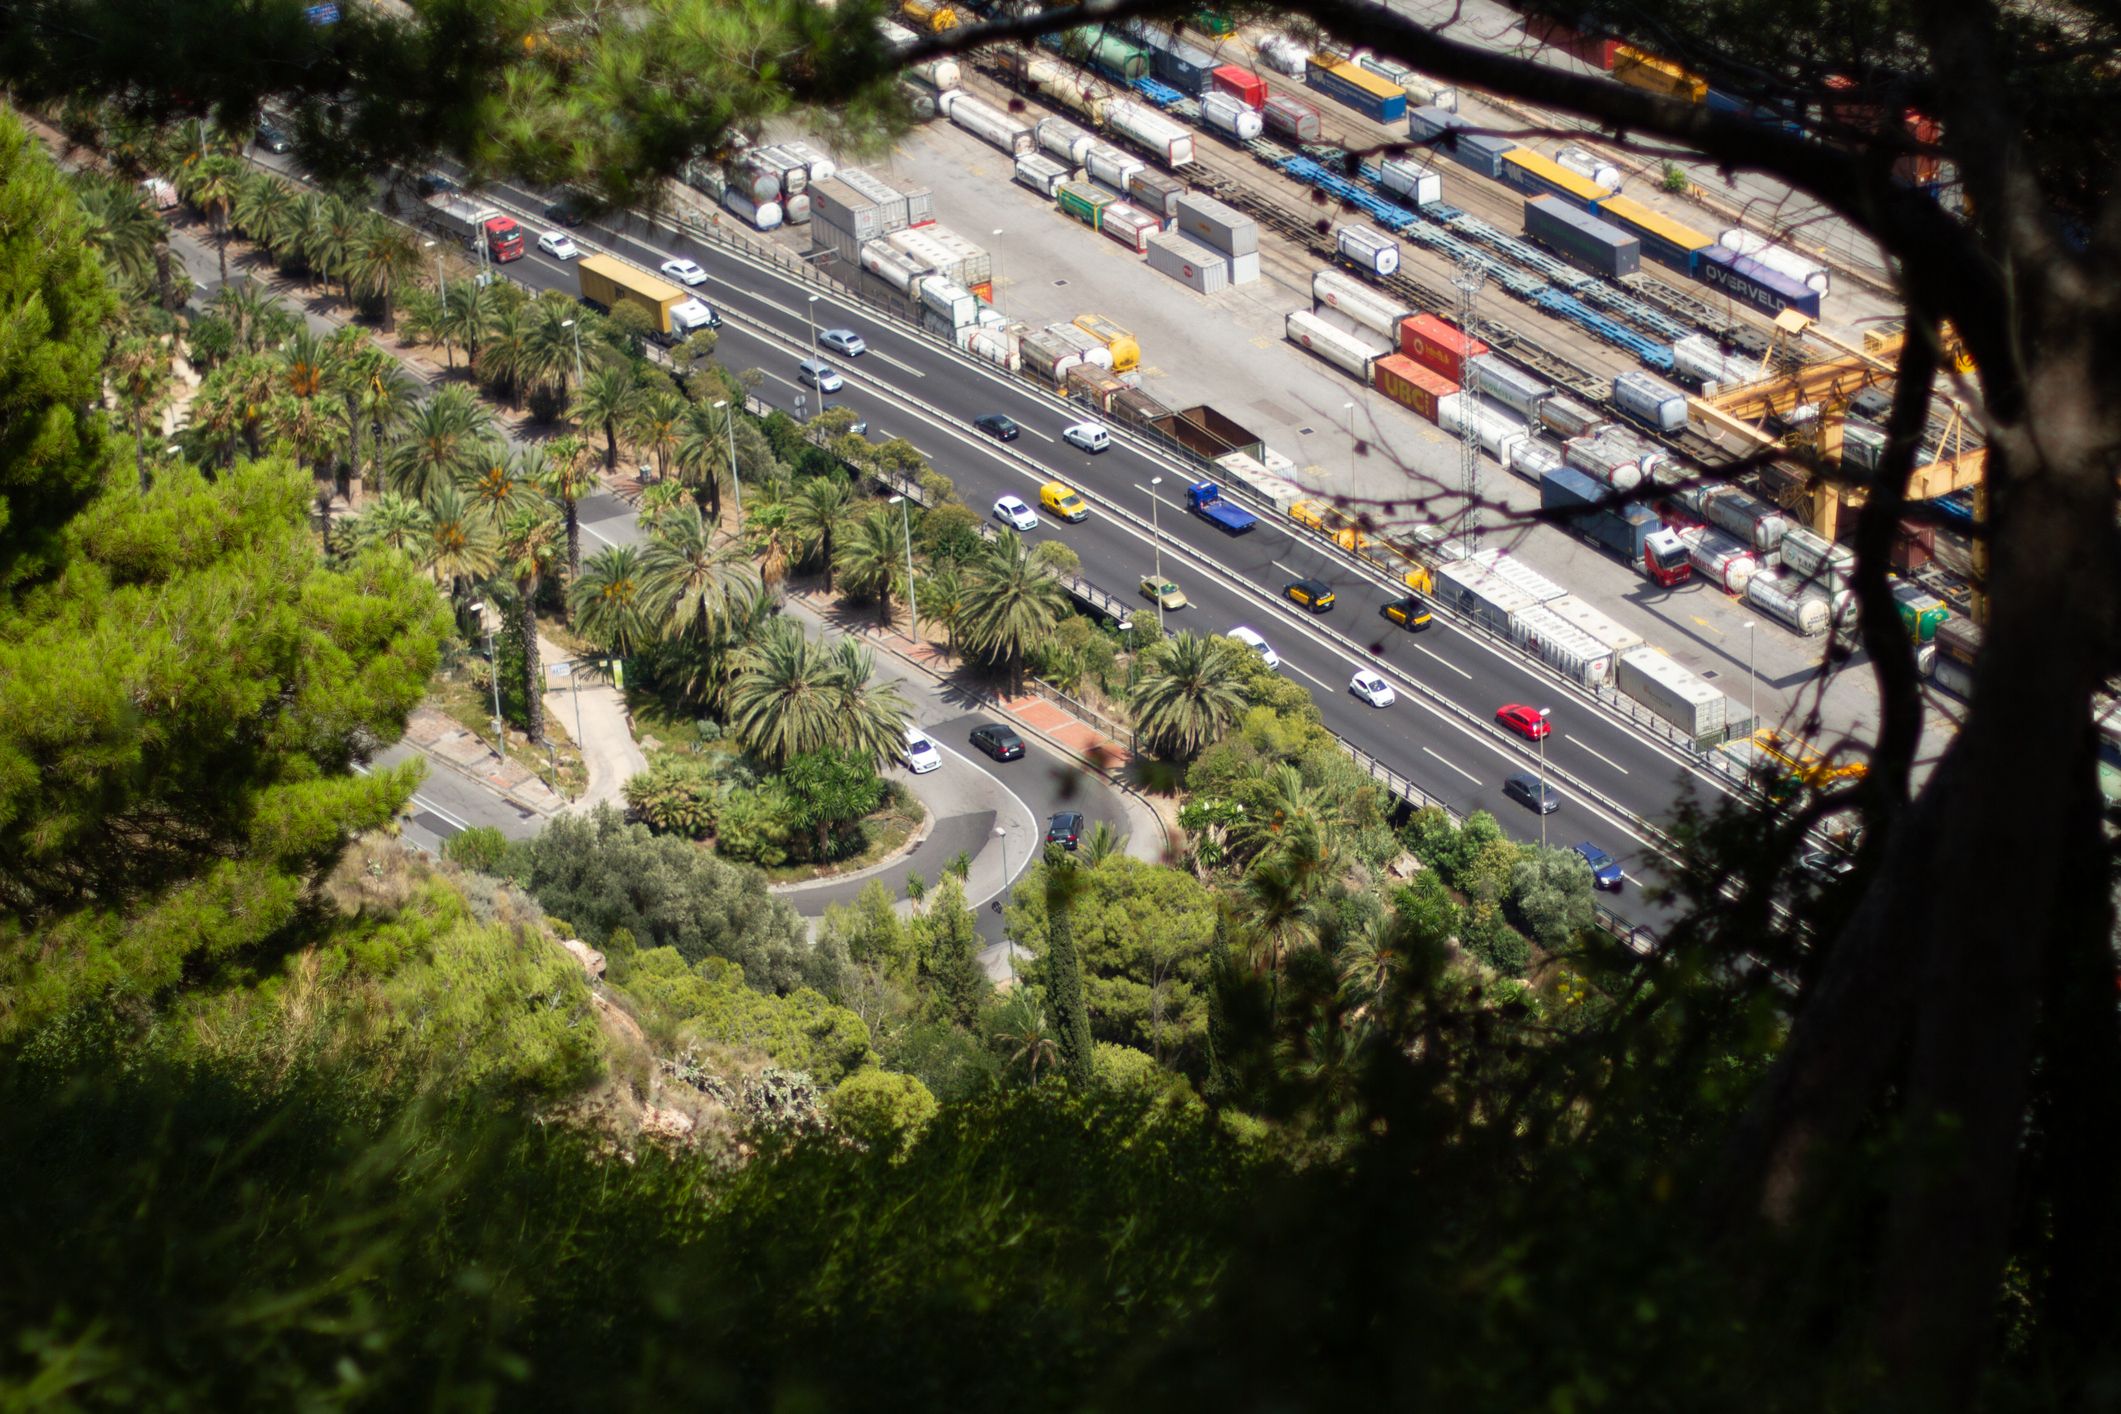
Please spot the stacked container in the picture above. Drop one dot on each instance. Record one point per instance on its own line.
(1475, 588)
(1434, 344)
(1219, 227)
(890, 201)
(1197, 267)
(1126, 350)
(1351, 351)
(1411, 385)
(1048, 357)
(843, 220)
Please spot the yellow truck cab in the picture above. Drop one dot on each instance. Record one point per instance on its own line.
(1063, 501)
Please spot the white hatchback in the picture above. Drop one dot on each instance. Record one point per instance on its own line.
(1258, 645)
(1012, 512)
(1372, 689)
(920, 754)
(558, 244)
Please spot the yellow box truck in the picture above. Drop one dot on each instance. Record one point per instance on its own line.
(607, 283)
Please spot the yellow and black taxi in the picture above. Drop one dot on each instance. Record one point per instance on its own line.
(1313, 594)
(1410, 613)
(1063, 500)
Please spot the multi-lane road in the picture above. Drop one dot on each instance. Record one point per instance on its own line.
(1440, 734)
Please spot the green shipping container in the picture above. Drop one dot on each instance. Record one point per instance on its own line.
(1086, 203)
(1108, 53)
(1213, 22)
(1921, 612)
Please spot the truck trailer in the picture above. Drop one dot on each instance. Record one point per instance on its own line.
(475, 224)
(608, 283)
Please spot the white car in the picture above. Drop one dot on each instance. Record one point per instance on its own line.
(1090, 436)
(1372, 689)
(843, 341)
(1258, 645)
(685, 272)
(559, 245)
(1012, 512)
(920, 754)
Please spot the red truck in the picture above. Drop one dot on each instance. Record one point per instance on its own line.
(477, 225)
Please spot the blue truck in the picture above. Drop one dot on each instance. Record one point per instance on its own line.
(1208, 503)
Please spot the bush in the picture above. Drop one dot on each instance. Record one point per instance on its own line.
(709, 1003)
(676, 795)
(753, 826)
(1550, 893)
(1675, 179)
(1488, 936)
(885, 1111)
(211, 340)
(481, 849)
(828, 793)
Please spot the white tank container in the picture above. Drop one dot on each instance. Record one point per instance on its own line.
(1284, 55)
(1806, 613)
(1169, 140)
(1590, 165)
(1344, 349)
(889, 266)
(1367, 248)
(765, 215)
(1721, 559)
(1365, 304)
(1042, 174)
(986, 122)
(1110, 165)
(1064, 141)
(1231, 116)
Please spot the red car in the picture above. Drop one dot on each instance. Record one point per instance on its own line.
(1525, 721)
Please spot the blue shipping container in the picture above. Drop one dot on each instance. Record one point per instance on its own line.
(1183, 65)
(1370, 105)
(1585, 241)
(1749, 282)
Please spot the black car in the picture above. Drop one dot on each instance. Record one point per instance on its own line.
(272, 139)
(1000, 428)
(1314, 594)
(1065, 829)
(998, 741)
(1410, 613)
(1526, 787)
(433, 183)
(568, 211)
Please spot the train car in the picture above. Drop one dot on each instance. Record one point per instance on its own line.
(1109, 54)
(1534, 175)
(1751, 283)
(1582, 239)
(1180, 63)
(1375, 97)
(1663, 240)
(1648, 72)
(1596, 50)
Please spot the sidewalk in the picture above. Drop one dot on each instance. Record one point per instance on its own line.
(444, 741)
(610, 755)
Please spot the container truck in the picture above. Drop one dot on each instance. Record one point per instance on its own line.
(1627, 529)
(477, 225)
(606, 283)
(1207, 501)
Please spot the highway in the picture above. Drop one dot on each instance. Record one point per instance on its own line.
(1441, 733)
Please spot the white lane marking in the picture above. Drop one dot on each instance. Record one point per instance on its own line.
(1460, 769)
(1319, 680)
(423, 802)
(895, 363)
(1599, 754)
(1035, 432)
(1446, 662)
(599, 534)
(1286, 570)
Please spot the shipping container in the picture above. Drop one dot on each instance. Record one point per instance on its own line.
(1650, 401)
(1126, 349)
(1921, 612)
(1111, 165)
(1590, 49)
(1506, 385)
(1082, 341)
(1750, 283)
(1137, 408)
(795, 210)
(1085, 201)
(897, 38)
(1244, 269)
(1535, 175)
(1492, 427)
(1519, 573)
(820, 166)
(1351, 352)
(1425, 92)
(835, 204)
(919, 100)
(1241, 84)
(1042, 174)
(1167, 139)
(1637, 69)
(1364, 304)
(1432, 342)
(987, 123)
(1231, 116)
(1959, 640)
(1375, 98)
(1563, 416)
(1604, 462)
(1698, 360)
(1093, 385)
(1478, 591)
(942, 75)
(1130, 226)
(1594, 622)
(948, 299)
(1451, 136)
(1724, 560)
(1416, 183)
(792, 167)
(1582, 239)
(758, 183)
(1563, 646)
(1064, 141)
(1819, 562)
(1585, 163)
(1367, 249)
(1664, 240)
(1780, 259)
(931, 15)
(890, 201)
(1861, 447)
(1217, 226)
(1290, 118)
(1109, 53)
(1671, 692)
(1284, 55)
(1199, 268)
(1155, 193)
(1411, 385)
(1788, 605)
(994, 346)
(1533, 458)
(1076, 91)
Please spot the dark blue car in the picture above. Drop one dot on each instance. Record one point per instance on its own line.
(1605, 869)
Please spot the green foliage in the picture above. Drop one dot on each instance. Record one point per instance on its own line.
(886, 1112)
(1061, 970)
(871, 931)
(829, 791)
(708, 1002)
(953, 1063)
(677, 795)
(945, 938)
(481, 849)
(604, 874)
(1674, 178)
(1488, 936)
(1550, 890)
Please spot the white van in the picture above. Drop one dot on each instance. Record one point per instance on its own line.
(919, 753)
(1258, 645)
(1090, 436)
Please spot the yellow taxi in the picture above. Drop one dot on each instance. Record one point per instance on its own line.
(1313, 594)
(1063, 501)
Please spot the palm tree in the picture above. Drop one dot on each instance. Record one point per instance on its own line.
(425, 322)
(815, 514)
(708, 667)
(610, 602)
(469, 315)
(265, 211)
(531, 543)
(392, 522)
(214, 424)
(568, 479)
(119, 227)
(330, 226)
(506, 355)
(308, 360)
(1190, 693)
(940, 591)
(771, 537)
(443, 440)
(659, 503)
(1281, 812)
(1028, 1036)
(786, 699)
(690, 579)
(253, 382)
(140, 375)
(214, 183)
(504, 479)
(1012, 604)
(461, 546)
(312, 428)
(702, 453)
(380, 261)
(381, 394)
(1276, 910)
(657, 420)
(1101, 844)
(606, 400)
(548, 355)
(872, 559)
(250, 311)
(870, 715)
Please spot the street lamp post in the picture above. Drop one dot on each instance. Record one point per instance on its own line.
(735, 491)
(1156, 541)
(995, 276)
(1752, 672)
(570, 324)
(810, 313)
(1544, 714)
(1002, 835)
(913, 612)
(441, 279)
(1349, 409)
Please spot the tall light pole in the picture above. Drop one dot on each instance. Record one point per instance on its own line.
(1752, 672)
(736, 491)
(1349, 409)
(913, 612)
(1003, 835)
(441, 279)
(1468, 279)
(1156, 541)
(810, 313)
(994, 276)
(1544, 714)
(570, 324)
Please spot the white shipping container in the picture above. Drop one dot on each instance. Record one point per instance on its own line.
(1722, 559)
(1348, 351)
(986, 122)
(1199, 269)
(1170, 140)
(1042, 174)
(1062, 139)
(1110, 165)
(1594, 622)
(1244, 269)
(1130, 226)
(1417, 182)
(1522, 575)
(1560, 644)
(1671, 692)
(1534, 458)
(1497, 431)
(949, 298)
(1367, 248)
(890, 201)
(1476, 590)
(1585, 163)
(1780, 259)
(1365, 304)
(1789, 604)
(1231, 116)
(896, 36)
(1506, 385)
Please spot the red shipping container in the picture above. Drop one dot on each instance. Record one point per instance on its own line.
(1434, 344)
(1597, 52)
(1919, 169)
(1408, 383)
(1243, 85)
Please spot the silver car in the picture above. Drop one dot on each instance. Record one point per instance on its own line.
(843, 341)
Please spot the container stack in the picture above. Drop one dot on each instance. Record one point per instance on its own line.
(1199, 268)
(1223, 230)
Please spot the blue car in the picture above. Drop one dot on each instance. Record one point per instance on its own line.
(1605, 869)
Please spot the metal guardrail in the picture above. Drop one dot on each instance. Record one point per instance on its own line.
(1089, 716)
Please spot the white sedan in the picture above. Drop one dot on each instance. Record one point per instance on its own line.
(685, 272)
(1015, 514)
(559, 245)
(1372, 689)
